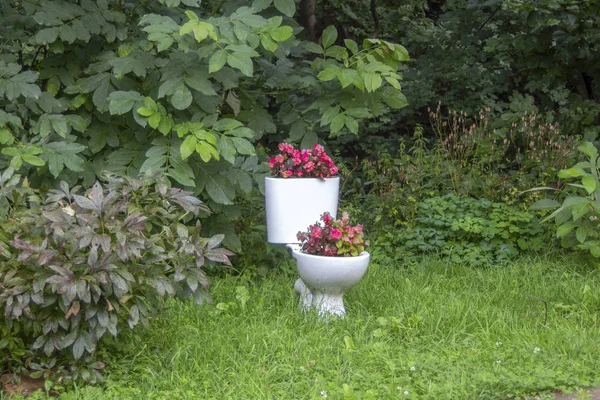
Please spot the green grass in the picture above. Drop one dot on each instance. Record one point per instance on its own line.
(432, 330)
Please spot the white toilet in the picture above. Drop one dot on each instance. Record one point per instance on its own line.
(293, 205)
(324, 280)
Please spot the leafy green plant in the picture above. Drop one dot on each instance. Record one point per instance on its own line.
(468, 230)
(183, 88)
(577, 219)
(75, 269)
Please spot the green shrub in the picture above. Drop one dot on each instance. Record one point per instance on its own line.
(578, 218)
(75, 269)
(468, 230)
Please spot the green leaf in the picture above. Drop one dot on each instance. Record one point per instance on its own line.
(59, 125)
(181, 171)
(351, 124)
(581, 234)
(226, 124)
(297, 130)
(329, 115)
(182, 97)
(351, 44)
(166, 123)
(330, 35)
(401, 53)
(259, 5)
(347, 76)
(337, 52)
(191, 15)
(188, 146)
(282, 33)
(200, 83)
(242, 63)
(579, 210)
(589, 182)
(544, 204)
(309, 139)
(205, 151)
(268, 44)
(154, 120)
(286, 7)
(589, 150)
(564, 229)
(6, 136)
(372, 81)
(337, 123)
(47, 35)
(328, 73)
(394, 82)
(78, 347)
(358, 112)
(218, 190)
(217, 61)
(145, 111)
(243, 132)
(571, 173)
(33, 160)
(227, 149)
(59, 155)
(392, 97)
(121, 102)
(243, 146)
(314, 48)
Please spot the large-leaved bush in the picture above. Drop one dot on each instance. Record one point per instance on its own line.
(77, 267)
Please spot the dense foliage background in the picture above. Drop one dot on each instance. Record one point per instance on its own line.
(437, 150)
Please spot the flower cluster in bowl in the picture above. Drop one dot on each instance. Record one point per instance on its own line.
(310, 163)
(335, 237)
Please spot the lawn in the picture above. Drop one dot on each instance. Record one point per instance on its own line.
(429, 330)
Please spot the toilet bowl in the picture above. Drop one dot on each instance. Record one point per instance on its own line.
(324, 280)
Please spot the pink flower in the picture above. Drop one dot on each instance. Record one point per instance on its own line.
(313, 163)
(304, 155)
(286, 148)
(326, 218)
(358, 228)
(336, 234)
(287, 174)
(299, 173)
(316, 231)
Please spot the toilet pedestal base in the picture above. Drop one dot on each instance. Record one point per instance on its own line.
(324, 304)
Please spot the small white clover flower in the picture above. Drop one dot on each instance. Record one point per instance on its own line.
(398, 387)
(324, 393)
(413, 368)
(498, 361)
(536, 350)
(406, 392)
(499, 343)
